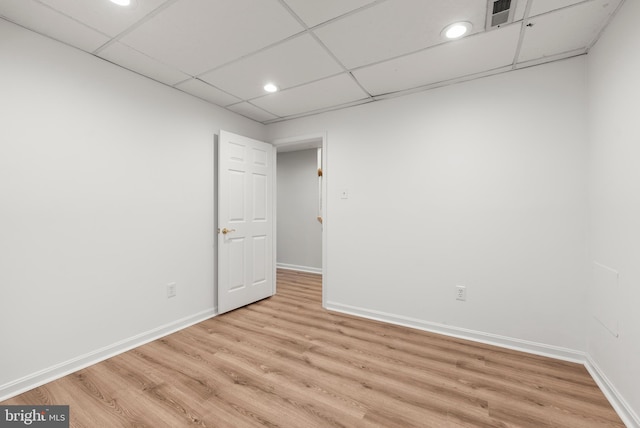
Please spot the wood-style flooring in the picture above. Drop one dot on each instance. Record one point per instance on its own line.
(286, 362)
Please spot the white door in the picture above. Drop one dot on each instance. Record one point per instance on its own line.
(246, 266)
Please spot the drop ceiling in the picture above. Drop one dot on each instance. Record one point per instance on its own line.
(322, 54)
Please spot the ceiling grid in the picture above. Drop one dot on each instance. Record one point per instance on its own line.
(322, 55)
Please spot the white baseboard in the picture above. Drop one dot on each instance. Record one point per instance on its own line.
(57, 371)
(619, 404)
(463, 333)
(626, 413)
(307, 269)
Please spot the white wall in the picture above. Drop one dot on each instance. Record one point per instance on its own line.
(481, 184)
(106, 195)
(299, 232)
(614, 90)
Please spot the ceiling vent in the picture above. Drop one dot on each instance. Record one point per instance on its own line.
(500, 12)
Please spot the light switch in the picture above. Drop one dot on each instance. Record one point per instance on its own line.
(344, 194)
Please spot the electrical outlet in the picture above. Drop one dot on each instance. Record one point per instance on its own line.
(461, 292)
(171, 289)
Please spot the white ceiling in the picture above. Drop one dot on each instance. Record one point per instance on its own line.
(323, 54)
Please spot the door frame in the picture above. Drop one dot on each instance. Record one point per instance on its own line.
(302, 142)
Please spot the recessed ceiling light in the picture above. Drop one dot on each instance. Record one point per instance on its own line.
(456, 30)
(270, 87)
(122, 2)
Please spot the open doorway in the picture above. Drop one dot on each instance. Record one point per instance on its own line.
(299, 222)
(301, 205)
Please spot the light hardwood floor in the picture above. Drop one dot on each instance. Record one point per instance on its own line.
(286, 362)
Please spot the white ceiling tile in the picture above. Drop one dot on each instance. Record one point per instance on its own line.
(543, 6)
(396, 27)
(207, 92)
(566, 29)
(252, 112)
(316, 12)
(491, 50)
(198, 35)
(325, 93)
(563, 55)
(521, 8)
(104, 15)
(133, 60)
(288, 64)
(44, 20)
(540, 6)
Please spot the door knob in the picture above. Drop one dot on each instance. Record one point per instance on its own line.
(225, 231)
